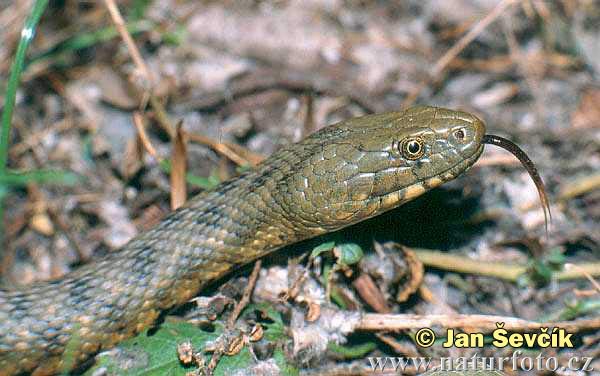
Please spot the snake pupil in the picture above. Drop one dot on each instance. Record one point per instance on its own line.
(412, 148)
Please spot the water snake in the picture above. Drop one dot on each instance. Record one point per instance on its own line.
(340, 175)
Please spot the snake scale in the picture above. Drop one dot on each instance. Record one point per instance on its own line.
(340, 175)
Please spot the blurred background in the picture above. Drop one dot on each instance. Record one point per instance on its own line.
(100, 127)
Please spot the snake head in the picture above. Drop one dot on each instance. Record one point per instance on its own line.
(359, 168)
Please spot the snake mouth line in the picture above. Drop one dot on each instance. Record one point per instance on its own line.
(452, 172)
(399, 196)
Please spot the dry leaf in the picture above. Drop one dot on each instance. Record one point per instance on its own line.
(178, 169)
(587, 114)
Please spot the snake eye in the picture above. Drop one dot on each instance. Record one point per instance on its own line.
(412, 148)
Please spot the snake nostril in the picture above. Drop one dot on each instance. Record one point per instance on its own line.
(459, 134)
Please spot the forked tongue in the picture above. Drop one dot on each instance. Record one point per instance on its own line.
(529, 166)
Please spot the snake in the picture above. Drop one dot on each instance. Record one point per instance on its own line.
(338, 176)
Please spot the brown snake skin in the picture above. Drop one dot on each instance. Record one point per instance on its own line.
(341, 175)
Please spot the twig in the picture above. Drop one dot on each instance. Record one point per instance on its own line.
(133, 50)
(225, 338)
(484, 323)
(579, 187)
(161, 114)
(462, 264)
(456, 49)
(138, 121)
(509, 272)
(237, 310)
(586, 274)
(463, 42)
(570, 190)
(236, 153)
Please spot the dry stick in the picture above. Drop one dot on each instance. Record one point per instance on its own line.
(455, 50)
(141, 65)
(138, 121)
(580, 186)
(509, 272)
(237, 310)
(160, 112)
(462, 264)
(133, 50)
(246, 296)
(484, 323)
(570, 190)
(235, 153)
(586, 274)
(470, 36)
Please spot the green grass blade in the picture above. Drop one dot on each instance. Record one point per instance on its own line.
(27, 34)
(88, 39)
(19, 179)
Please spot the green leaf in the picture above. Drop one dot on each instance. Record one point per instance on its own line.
(285, 367)
(176, 37)
(209, 182)
(138, 9)
(244, 168)
(325, 247)
(555, 257)
(540, 271)
(69, 359)
(153, 354)
(349, 253)
(350, 352)
(575, 310)
(156, 354)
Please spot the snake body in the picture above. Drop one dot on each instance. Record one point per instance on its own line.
(338, 176)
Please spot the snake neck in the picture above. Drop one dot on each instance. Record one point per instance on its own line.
(104, 302)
